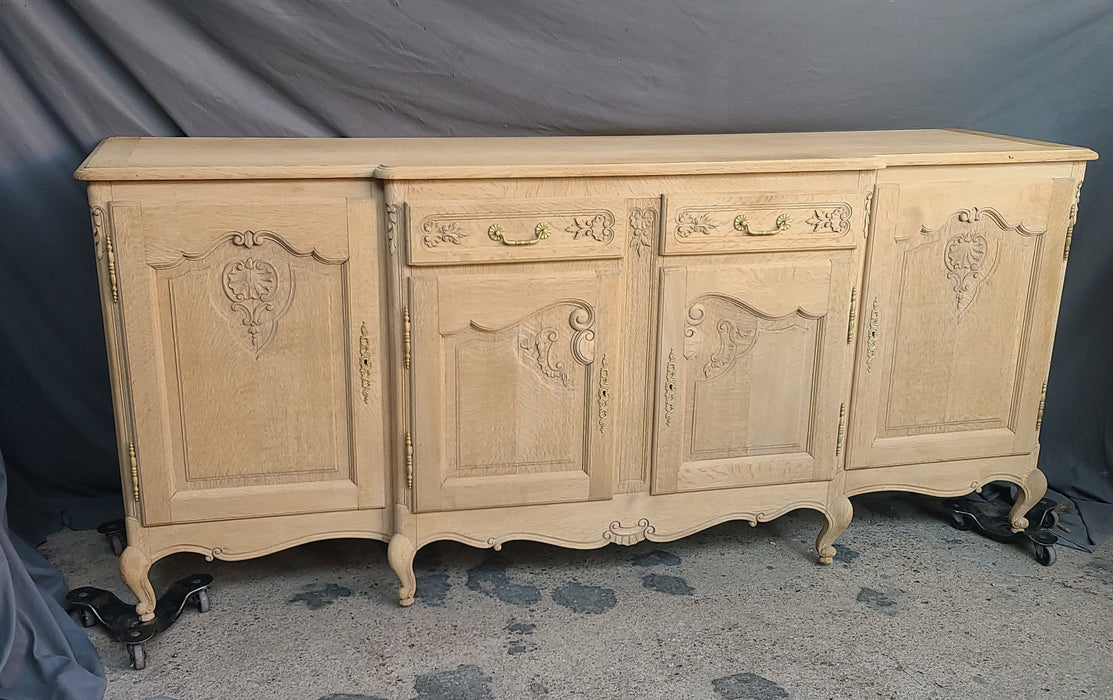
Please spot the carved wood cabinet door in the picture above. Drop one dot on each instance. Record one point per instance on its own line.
(753, 370)
(512, 375)
(253, 349)
(957, 316)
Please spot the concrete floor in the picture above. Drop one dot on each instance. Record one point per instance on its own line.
(911, 608)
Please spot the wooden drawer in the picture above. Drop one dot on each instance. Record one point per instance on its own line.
(504, 230)
(756, 221)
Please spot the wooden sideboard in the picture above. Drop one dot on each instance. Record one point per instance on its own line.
(579, 341)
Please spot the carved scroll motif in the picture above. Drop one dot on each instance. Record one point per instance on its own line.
(541, 348)
(975, 214)
(628, 534)
(539, 345)
(968, 256)
(250, 239)
(964, 259)
(254, 286)
(735, 337)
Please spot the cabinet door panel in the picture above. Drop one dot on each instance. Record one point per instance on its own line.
(754, 361)
(244, 342)
(958, 315)
(510, 376)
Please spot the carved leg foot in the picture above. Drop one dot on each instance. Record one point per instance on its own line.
(400, 554)
(1031, 491)
(839, 512)
(135, 567)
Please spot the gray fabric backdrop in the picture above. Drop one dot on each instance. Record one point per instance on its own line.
(73, 72)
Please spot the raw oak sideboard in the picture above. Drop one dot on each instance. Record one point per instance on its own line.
(578, 341)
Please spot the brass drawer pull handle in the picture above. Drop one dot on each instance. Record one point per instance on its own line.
(541, 231)
(741, 223)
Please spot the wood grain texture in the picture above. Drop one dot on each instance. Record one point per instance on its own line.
(761, 365)
(956, 282)
(247, 321)
(580, 341)
(506, 373)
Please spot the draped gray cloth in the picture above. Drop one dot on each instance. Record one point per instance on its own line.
(75, 71)
(44, 654)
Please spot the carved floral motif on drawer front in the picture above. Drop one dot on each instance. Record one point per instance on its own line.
(437, 232)
(723, 220)
(836, 220)
(597, 226)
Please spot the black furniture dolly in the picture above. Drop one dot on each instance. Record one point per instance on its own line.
(98, 605)
(991, 518)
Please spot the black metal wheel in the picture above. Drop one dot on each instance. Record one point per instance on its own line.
(137, 656)
(1045, 555)
(116, 542)
(88, 619)
(961, 521)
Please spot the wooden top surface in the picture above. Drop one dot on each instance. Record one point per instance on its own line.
(130, 158)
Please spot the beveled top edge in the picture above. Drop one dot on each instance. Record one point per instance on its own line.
(158, 158)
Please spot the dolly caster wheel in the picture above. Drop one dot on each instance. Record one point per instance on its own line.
(1045, 555)
(116, 542)
(137, 656)
(116, 534)
(88, 619)
(201, 600)
(960, 521)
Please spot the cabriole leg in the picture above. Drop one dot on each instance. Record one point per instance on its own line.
(135, 568)
(838, 514)
(400, 554)
(1031, 491)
